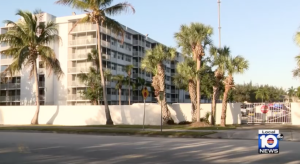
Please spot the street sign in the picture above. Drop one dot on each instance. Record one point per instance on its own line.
(161, 95)
(145, 93)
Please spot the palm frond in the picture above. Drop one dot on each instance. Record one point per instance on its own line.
(115, 27)
(77, 4)
(119, 8)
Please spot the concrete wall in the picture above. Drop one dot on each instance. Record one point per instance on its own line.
(93, 115)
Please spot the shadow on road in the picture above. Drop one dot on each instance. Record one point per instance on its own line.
(118, 150)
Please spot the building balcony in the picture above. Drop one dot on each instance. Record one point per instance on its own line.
(10, 86)
(73, 97)
(174, 99)
(41, 84)
(78, 69)
(41, 71)
(76, 83)
(6, 61)
(136, 64)
(9, 98)
(84, 28)
(81, 42)
(78, 56)
(173, 91)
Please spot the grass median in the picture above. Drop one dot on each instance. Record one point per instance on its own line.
(186, 134)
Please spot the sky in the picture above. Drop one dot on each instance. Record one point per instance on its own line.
(260, 31)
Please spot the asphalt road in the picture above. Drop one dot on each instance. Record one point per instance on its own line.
(19, 148)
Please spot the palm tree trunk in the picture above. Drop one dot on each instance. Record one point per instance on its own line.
(165, 111)
(198, 90)
(120, 90)
(107, 112)
(213, 104)
(129, 91)
(224, 106)
(35, 118)
(193, 96)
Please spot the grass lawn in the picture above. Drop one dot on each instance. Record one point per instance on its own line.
(120, 131)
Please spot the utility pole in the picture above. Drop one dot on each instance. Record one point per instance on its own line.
(219, 4)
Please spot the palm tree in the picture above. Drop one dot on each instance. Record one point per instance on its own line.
(234, 65)
(120, 81)
(291, 93)
(219, 57)
(92, 79)
(94, 90)
(128, 69)
(193, 39)
(262, 93)
(187, 75)
(96, 13)
(27, 40)
(153, 62)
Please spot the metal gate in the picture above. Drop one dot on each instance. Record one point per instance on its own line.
(266, 113)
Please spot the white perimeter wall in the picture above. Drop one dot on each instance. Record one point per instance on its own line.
(95, 115)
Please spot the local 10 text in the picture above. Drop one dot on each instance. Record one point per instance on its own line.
(268, 141)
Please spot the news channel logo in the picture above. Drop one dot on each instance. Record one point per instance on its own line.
(268, 141)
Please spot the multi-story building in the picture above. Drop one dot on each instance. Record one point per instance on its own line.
(72, 53)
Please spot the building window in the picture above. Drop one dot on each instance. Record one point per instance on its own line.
(168, 95)
(128, 58)
(128, 36)
(148, 45)
(113, 66)
(113, 92)
(3, 67)
(167, 78)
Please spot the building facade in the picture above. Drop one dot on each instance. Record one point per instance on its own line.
(72, 53)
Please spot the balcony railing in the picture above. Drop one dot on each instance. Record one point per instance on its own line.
(83, 41)
(9, 98)
(41, 84)
(173, 91)
(76, 97)
(10, 85)
(78, 56)
(174, 99)
(41, 71)
(77, 83)
(78, 69)
(6, 61)
(84, 27)
(135, 41)
(136, 64)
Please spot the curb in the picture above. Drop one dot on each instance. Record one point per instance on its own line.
(106, 134)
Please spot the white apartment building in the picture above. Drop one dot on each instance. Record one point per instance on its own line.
(72, 54)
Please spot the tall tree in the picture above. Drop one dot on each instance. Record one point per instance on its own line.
(28, 40)
(153, 62)
(219, 59)
(128, 69)
(120, 81)
(97, 11)
(94, 90)
(193, 39)
(234, 65)
(92, 79)
(187, 75)
(263, 94)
